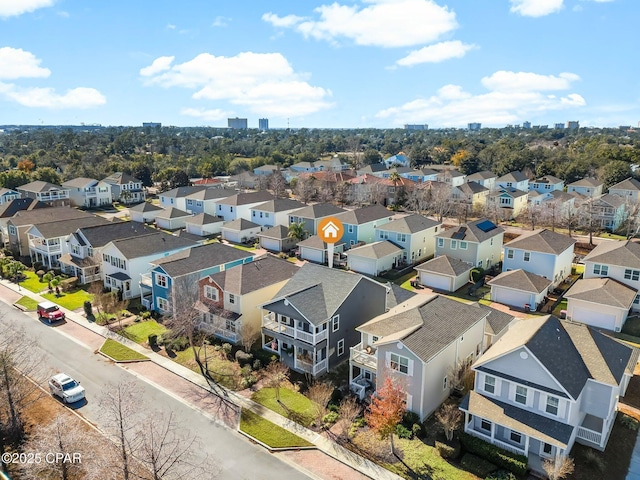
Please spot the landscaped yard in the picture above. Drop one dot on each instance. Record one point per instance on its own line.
(225, 372)
(269, 433)
(292, 404)
(245, 248)
(28, 303)
(120, 352)
(70, 300)
(139, 332)
(32, 282)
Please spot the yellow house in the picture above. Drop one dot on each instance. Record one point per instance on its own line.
(510, 201)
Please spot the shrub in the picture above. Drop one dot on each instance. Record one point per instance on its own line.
(629, 422)
(332, 407)
(476, 465)
(501, 475)
(244, 359)
(477, 273)
(445, 451)
(146, 315)
(330, 418)
(360, 422)
(403, 432)
(336, 396)
(257, 364)
(226, 348)
(152, 340)
(500, 457)
(88, 309)
(40, 274)
(177, 344)
(418, 430)
(594, 460)
(69, 284)
(248, 381)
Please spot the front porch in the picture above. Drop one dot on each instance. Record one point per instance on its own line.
(287, 326)
(299, 358)
(594, 431)
(84, 268)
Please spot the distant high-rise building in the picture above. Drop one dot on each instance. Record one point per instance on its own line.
(573, 125)
(416, 127)
(237, 122)
(559, 126)
(474, 126)
(526, 125)
(263, 124)
(151, 124)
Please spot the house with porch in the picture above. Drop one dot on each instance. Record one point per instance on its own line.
(478, 243)
(507, 203)
(360, 224)
(629, 189)
(9, 209)
(546, 384)
(7, 194)
(125, 188)
(88, 192)
(240, 205)
(54, 195)
(607, 211)
(310, 323)
(173, 279)
(415, 234)
(229, 300)
(311, 215)
(517, 180)
(274, 212)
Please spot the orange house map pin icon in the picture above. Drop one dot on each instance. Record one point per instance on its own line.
(330, 230)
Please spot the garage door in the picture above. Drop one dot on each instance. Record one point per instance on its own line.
(436, 281)
(231, 235)
(596, 319)
(270, 244)
(362, 265)
(511, 297)
(312, 254)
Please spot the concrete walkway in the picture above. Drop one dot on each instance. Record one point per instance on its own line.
(325, 445)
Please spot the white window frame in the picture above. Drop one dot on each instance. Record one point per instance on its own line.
(340, 347)
(631, 274)
(599, 269)
(550, 405)
(454, 244)
(487, 422)
(335, 323)
(396, 363)
(509, 253)
(517, 394)
(13, 230)
(214, 296)
(518, 434)
(440, 242)
(162, 304)
(526, 256)
(490, 381)
(463, 245)
(232, 299)
(161, 280)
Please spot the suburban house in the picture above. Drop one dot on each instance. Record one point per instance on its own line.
(243, 180)
(485, 178)
(125, 260)
(9, 209)
(451, 177)
(376, 169)
(125, 188)
(415, 234)
(87, 192)
(444, 273)
(277, 239)
(82, 255)
(6, 195)
(145, 212)
(310, 323)
(314, 249)
(421, 175)
(240, 205)
(548, 183)
(399, 160)
(402, 171)
(516, 180)
(374, 258)
(240, 231)
(607, 211)
(206, 200)
(311, 215)
(471, 193)
(46, 192)
(203, 224)
(266, 169)
(305, 167)
(230, 300)
(589, 187)
(618, 260)
(172, 218)
(174, 278)
(629, 189)
(543, 252)
(177, 197)
(420, 343)
(478, 243)
(508, 202)
(360, 224)
(274, 212)
(600, 302)
(546, 384)
(520, 289)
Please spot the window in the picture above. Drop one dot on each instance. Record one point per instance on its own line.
(601, 270)
(161, 280)
(505, 201)
(546, 449)
(211, 293)
(230, 325)
(490, 384)
(444, 383)
(485, 425)
(632, 274)
(509, 253)
(636, 300)
(335, 323)
(253, 213)
(162, 304)
(454, 244)
(341, 347)
(527, 256)
(384, 235)
(350, 228)
(521, 395)
(399, 364)
(374, 339)
(463, 245)
(441, 242)
(515, 437)
(232, 298)
(401, 237)
(552, 405)
(13, 230)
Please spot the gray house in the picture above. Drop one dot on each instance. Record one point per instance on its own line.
(310, 323)
(546, 384)
(312, 214)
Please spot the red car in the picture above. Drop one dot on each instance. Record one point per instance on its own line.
(50, 311)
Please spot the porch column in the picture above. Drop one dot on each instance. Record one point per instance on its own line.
(493, 431)
(466, 420)
(526, 445)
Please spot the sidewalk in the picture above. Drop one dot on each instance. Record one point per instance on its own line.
(12, 291)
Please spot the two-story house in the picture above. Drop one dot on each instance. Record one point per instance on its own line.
(421, 175)
(274, 212)
(471, 193)
(46, 192)
(311, 215)
(230, 299)
(451, 177)
(485, 178)
(125, 188)
(399, 160)
(9, 209)
(206, 200)
(310, 323)
(415, 234)
(240, 205)
(507, 203)
(87, 192)
(125, 260)
(629, 189)
(589, 187)
(177, 197)
(546, 384)
(7, 194)
(607, 211)
(375, 169)
(172, 282)
(517, 180)
(360, 224)
(548, 183)
(478, 243)
(543, 252)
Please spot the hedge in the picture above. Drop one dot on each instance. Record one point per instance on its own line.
(498, 456)
(476, 465)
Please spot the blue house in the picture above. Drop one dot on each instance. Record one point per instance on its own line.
(359, 224)
(397, 160)
(6, 195)
(174, 278)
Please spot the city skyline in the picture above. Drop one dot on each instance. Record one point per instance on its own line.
(349, 64)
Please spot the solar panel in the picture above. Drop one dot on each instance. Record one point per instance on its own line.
(486, 226)
(460, 234)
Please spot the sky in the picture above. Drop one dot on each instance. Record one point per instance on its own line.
(318, 64)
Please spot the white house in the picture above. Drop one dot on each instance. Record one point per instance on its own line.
(54, 195)
(520, 289)
(240, 205)
(374, 258)
(415, 234)
(87, 192)
(177, 197)
(125, 188)
(548, 183)
(144, 212)
(240, 231)
(172, 218)
(444, 273)
(204, 225)
(274, 212)
(485, 178)
(516, 180)
(478, 243)
(629, 189)
(589, 187)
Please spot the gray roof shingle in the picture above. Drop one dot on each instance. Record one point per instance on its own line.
(246, 198)
(544, 241)
(150, 244)
(364, 215)
(319, 210)
(199, 258)
(471, 232)
(252, 276)
(409, 224)
(279, 205)
(521, 280)
(605, 291)
(375, 250)
(43, 215)
(624, 254)
(99, 235)
(204, 219)
(239, 224)
(627, 184)
(445, 265)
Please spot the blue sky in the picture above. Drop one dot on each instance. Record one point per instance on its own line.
(347, 64)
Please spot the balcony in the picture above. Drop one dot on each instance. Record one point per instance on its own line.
(591, 429)
(309, 367)
(360, 385)
(365, 357)
(147, 301)
(273, 325)
(145, 279)
(55, 195)
(41, 246)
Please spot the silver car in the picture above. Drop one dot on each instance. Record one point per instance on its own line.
(66, 388)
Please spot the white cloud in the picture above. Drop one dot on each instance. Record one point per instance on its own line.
(211, 115)
(171, 26)
(528, 82)
(451, 106)
(221, 21)
(264, 82)
(535, 8)
(436, 53)
(17, 63)
(382, 23)
(12, 8)
(80, 97)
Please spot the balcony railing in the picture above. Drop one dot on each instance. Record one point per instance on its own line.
(360, 356)
(53, 196)
(278, 327)
(590, 435)
(91, 278)
(309, 367)
(359, 386)
(147, 301)
(509, 447)
(42, 247)
(145, 279)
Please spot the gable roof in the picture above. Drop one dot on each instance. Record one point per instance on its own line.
(477, 231)
(184, 191)
(120, 178)
(605, 291)
(252, 276)
(198, 258)
(172, 212)
(624, 254)
(239, 224)
(409, 224)
(151, 244)
(79, 182)
(376, 250)
(204, 219)
(318, 210)
(145, 207)
(561, 196)
(542, 240)
(397, 295)
(609, 199)
(483, 175)
(279, 205)
(364, 215)
(42, 215)
(61, 228)
(39, 186)
(9, 209)
(548, 179)
(314, 241)
(512, 177)
(279, 232)
(246, 198)
(586, 182)
(497, 320)
(373, 168)
(627, 184)
(445, 265)
(508, 191)
(471, 188)
(211, 194)
(99, 235)
(521, 280)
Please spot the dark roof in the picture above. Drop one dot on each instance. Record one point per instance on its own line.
(397, 295)
(199, 258)
(9, 209)
(119, 276)
(145, 207)
(364, 215)
(605, 291)
(79, 182)
(42, 215)
(100, 235)
(627, 184)
(279, 205)
(204, 219)
(445, 265)
(255, 275)
(172, 212)
(319, 210)
(180, 192)
(483, 175)
(153, 243)
(409, 224)
(521, 280)
(246, 198)
(624, 254)
(212, 193)
(509, 191)
(373, 168)
(477, 231)
(471, 188)
(279, 232)
(39, 186)
(120, 178)
(544, 241)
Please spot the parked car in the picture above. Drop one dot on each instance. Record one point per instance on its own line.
(66, 388)
(50, 311)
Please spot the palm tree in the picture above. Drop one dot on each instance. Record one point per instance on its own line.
(395, 178)
(297, 231)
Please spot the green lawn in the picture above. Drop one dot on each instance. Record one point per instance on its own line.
(32, 282)
(242, 247)
(292, 404)
(70, 300)
(223, 371)
(561, 306)
(119, 352)
(28, 303)
(269, 433)
(139, 332)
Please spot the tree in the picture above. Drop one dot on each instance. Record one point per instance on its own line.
(179, 179)
(350, 409)
(371, 156)
(277, 183)
(558, 467)
(614, 172)
(320, 393)
(297, 231)
(305, 188)
(275, 375)
(26, 165)
(386, 409)
(251, 332)
(449, 417)
(46, 174)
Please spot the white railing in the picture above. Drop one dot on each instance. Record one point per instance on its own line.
(310, 368)
(308, 337)
(279, 327)
(145, 279)
(267, 346)
(358, 389)
(53, 196)
(42, 247)
(359, 355)
(508, 447)
(146, 302)
(91, 278)
(589, 435)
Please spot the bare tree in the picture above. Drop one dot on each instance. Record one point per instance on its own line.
(320, 393)
(449, 417)
(275, 375)
(342, 193)
(277, 184)
(251, 332)
(305, 188)
(459, 376)
(439, 200)
(558, 467)
(350, 409)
